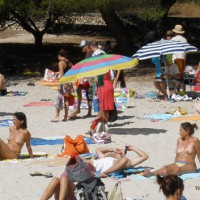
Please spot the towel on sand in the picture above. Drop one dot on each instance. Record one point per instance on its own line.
(159, 116)
(183, 176)
(186, 118)
(124, 173)
(6, 122)
(53, 141)
(16, 93)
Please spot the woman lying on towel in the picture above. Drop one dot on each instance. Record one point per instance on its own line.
(110, 160)
(19, 135)
(188, 147)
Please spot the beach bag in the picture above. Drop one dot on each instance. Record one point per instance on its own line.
(59, 101)
(101, 138)
(113, 114)
(101, 127)
(116, 193)
(75, 146)
(79, 171)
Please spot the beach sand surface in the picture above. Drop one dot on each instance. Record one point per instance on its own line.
(158, 139)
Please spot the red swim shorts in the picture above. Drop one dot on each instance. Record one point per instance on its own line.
(70, 98)
(85, 85)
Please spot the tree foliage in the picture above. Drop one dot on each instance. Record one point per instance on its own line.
(28, 13)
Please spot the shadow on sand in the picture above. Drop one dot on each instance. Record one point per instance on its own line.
(2, 114)
(136, 131)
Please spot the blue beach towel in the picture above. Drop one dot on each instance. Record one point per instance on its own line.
(159, 116)
(129, 171)
(53, 141)
(183, 176)
(6, 122)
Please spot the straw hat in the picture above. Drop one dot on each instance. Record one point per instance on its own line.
(178, 29)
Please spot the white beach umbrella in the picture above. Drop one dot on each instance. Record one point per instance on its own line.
(162, 47)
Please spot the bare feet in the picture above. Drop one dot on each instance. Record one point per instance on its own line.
(147, 173)
(73, 115)
(102, 175)
(55, 120)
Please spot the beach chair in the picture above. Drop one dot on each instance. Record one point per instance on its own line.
(192, 80)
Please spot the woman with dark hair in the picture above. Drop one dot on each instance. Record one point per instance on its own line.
(172, 186)
(64, 89)
(188, 147)
(19, 135)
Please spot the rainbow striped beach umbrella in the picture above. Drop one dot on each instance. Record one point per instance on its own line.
(98, 65)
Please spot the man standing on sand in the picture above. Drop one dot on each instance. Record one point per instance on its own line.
(179, 58)
(83, 84)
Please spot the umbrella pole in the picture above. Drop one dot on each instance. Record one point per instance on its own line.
(167, 82)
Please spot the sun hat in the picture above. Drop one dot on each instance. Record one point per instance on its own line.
(83, 43)
(178, 29)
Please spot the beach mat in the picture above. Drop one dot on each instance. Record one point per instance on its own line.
(183, 176)
(16, 93)
(126, 172)
(39, 103)
(6, 122)
(53, 141)
(26, 157)
(186, 118)
(163, 116)
(48, 83)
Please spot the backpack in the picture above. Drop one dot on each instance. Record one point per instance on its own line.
(75, 146)
(79, 171)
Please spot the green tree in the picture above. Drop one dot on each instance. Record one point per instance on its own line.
(30, 14)
(34, 16)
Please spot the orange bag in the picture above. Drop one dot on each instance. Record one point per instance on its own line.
(75, 146)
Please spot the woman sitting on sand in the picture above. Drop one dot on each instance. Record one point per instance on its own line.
(188, 147)
(172, 186)
(19, 135)
(110, 160)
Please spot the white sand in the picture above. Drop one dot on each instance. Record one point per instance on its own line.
(158, 139)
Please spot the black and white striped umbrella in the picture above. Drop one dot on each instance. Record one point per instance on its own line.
(162, 47)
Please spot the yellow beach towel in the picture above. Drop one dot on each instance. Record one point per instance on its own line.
(186, 118)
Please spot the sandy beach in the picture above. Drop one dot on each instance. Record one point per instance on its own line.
(157, 138)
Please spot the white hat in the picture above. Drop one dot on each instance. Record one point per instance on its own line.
(83, 43)
(178, 29)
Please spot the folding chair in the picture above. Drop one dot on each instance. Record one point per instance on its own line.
(192, 80)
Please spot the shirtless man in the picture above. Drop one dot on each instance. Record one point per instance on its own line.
(188, 147)
(19, 135)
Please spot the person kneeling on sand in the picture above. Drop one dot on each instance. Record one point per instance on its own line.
(19, 135)
(110, 160)
(188, 147)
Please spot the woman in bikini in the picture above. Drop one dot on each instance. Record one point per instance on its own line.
(188, 147)
(19, 135)
(64, 89)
